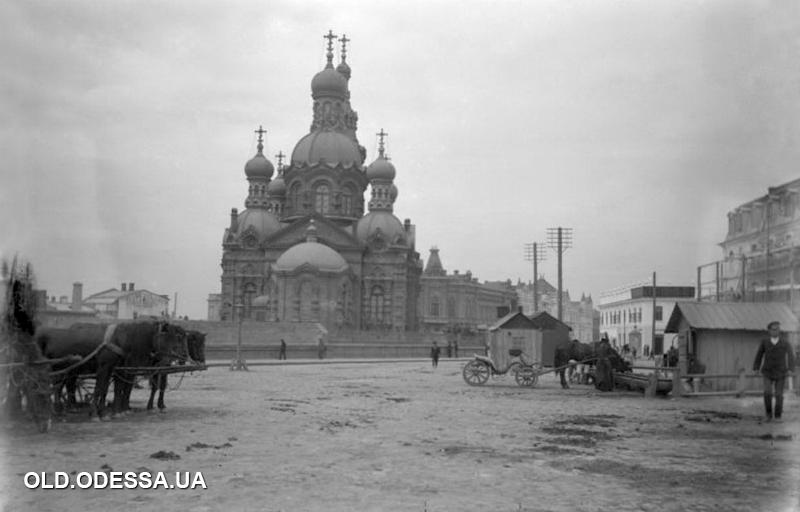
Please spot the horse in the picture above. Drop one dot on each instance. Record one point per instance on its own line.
(104, 348)
(196, 342)
(168, 353)
(599, 354)
(79, 340)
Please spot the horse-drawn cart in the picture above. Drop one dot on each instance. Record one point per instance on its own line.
(77, 390)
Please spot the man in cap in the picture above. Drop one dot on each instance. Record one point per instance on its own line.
(778, 362)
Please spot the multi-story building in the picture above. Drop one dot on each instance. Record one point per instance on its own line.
(578, 315)
(304, 249)
(761, 252)
(460, 301)
(627, 314)
(128, 303)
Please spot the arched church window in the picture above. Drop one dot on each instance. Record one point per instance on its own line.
(322, 198)
(347, 201)
(377, 313)
(434, 306)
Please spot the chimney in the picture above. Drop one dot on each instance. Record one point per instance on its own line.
(407, 225)
(124, 287)
(77, 296)
(519, 308)
(130, 287)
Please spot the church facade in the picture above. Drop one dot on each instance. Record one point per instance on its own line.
(307, 247)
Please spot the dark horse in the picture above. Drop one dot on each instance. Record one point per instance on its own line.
(599, 354)
(196, 342)
(104, 348)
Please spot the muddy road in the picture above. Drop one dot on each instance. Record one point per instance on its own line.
(406, 437)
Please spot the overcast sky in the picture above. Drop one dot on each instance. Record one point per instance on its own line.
(638, 124)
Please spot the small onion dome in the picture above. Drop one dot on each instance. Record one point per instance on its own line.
(313, 254)
(392, 192)
(263, 222)
(277, 187)
(343, 69)
(381, 169)
(329, 146)
(389, 225)
(329, 82)
(259, 167)
(261, 301)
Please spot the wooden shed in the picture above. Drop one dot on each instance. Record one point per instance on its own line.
(515, 330)
(725, 336)
(553, 331)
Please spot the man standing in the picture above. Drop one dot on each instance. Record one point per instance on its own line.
(778, 362)
(282, 353)
(435, 350)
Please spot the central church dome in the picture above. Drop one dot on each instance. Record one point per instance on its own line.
(327, 146)
(311, 253)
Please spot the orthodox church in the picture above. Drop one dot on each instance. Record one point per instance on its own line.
(304, 249)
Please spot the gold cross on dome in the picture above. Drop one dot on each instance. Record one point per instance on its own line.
(261, 131)
(381, 134)
(330, 37)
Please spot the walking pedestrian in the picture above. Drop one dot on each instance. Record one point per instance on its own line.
(282, 353)
(449, 349)
(321, 348)
(778, 363)
(435, 350)
(455, 347)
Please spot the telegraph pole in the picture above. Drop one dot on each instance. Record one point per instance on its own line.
(653, 328)
(560, 239)
(534, 252)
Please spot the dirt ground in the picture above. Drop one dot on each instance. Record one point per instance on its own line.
(406, 437)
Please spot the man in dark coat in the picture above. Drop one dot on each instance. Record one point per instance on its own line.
(778, 363)
(604, 375)
(435, 351)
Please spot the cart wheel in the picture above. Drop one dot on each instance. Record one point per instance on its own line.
(476, 373)
(525, 375)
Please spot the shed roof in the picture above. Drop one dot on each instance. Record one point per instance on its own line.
(735, 316)
(515, 320)
(544, 320)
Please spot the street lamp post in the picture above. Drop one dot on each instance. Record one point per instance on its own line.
(239, 364)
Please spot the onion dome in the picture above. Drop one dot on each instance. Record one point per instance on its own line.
(277, 187)
(380, 222)
(311, 254)
(259, 166)
(343, 68)
(328, 147)
(381, 169)
(329, 82)
(259, 221)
